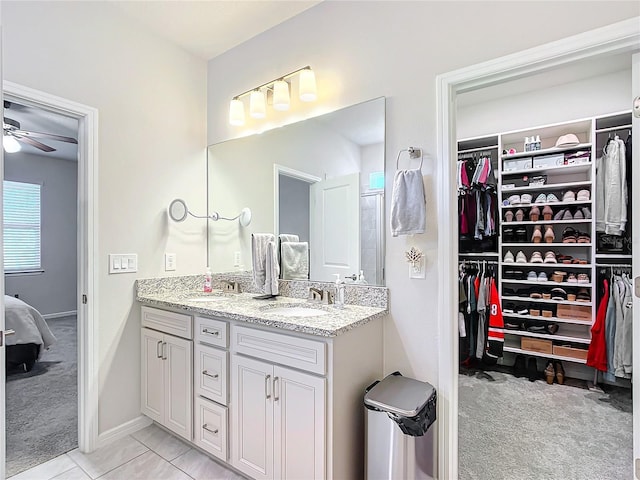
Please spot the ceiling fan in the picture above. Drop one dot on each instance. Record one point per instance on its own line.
(13, 134)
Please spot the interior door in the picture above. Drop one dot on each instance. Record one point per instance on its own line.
(635, 237)
(335, 227)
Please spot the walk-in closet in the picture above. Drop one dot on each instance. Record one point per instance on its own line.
(545, 311)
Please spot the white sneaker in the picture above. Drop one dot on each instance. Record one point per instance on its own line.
(525, 199)
(514, 200)
(508, 258)
(532, 277)
(542, 277)
(521, 257)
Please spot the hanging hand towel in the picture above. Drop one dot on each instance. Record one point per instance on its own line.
(295, 260)
(272, 270)
(408, 209)
(260, 254)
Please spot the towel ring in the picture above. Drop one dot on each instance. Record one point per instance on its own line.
(413, 153)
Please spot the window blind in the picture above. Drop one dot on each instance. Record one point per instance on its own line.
(21, 226)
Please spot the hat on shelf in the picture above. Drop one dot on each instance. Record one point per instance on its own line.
(568, 140)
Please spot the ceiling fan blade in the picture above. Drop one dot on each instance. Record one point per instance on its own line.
(50, 136)
(34, 143)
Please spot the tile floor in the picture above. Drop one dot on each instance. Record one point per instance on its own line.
(150, 454)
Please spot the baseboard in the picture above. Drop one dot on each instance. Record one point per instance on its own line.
(49, 316)
(121, 431)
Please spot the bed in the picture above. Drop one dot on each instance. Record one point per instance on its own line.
(32, 336)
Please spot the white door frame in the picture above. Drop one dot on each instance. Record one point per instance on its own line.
(87, 283)
(616, 38)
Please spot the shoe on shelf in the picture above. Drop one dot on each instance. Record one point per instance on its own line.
(559, 372)
(542, 277)
(511, 324)
(560, 214)
(586, 212)
(509, 307)
(537, 234)
(521, 235)
(569, 235)
(534, 214)
(514, 200)
(583, 295)
(567, 215)
(558, 276)
(572, 278)
(551, 198)
(532, 369)
(534, 311)
(519, 215)
(536, 257)
(569, 196)
(525, 199)
(550, 372)
(508, 216)
(522, 310)
(519, 366)
(532, 277)
(549, 236)
(547, 312)
(583, 195)
(508, 257)
(542, 198)
(583, 237)
(583, 278)
(546, 295)
(571, 297)
(578, 215)
(520, 257)
(551, 328)
(558, 293)
(547, 213)
(550, 257)
(508, 235)
(537, 294)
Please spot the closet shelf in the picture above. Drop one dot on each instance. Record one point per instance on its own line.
(544, 355)
(561, 338)
(572, 321)
(544, 300)
(544, 244)
(613, 255)
(548, 186)
(551, 204)
(481, 254)
(548, 283)
(560, 169)
(546, 151)
(546, 265)
(545, 222)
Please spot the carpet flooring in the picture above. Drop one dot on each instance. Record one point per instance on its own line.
(42, 405)
(511, 428)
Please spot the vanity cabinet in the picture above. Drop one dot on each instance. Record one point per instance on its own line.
(279, 423)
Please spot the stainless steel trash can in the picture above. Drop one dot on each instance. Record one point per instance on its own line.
(399, 444)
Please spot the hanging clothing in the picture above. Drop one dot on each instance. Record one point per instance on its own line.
(610, 333)
(624, 352)
(597, 354)
(611, 189)
(495, 347)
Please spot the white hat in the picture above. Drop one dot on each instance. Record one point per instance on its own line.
(568, 140)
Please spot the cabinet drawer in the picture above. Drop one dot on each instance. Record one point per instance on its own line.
(173, 323)
(210, 373)
(212, 331)
(302, 353)
(210, 431)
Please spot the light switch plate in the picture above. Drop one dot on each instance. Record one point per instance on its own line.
(123, 262)
(169, 262)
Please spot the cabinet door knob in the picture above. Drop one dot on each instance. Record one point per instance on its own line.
(267, 389)
(215, 432)
(215, 375)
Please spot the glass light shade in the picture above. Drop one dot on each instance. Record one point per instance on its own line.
(10, 144)
(281, 95)
(257, 106)
(236, 113)
(307, 85)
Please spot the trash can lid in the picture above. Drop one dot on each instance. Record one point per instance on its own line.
(400, 395)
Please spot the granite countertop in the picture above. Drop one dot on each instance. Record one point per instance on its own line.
(245, 308)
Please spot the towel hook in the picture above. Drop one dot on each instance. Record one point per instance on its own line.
(413, 153)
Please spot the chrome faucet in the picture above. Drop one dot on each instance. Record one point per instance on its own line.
(320, 296)
(230, 286)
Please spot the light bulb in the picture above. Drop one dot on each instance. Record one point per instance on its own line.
(257, 108)
(307, 85)
(280, 95)
(10, 144)
(236, 112)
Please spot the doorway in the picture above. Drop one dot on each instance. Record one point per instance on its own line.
(617, 38)
(85, 295)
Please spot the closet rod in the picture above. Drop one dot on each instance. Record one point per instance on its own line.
(487, 262)
(479, 149)
(613, 129)
(614, 265)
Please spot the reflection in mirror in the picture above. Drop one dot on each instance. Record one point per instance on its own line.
(320, 180)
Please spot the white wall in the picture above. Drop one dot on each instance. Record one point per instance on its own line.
(294, 213)
(151, 99)
(362, 50)
(53, 291)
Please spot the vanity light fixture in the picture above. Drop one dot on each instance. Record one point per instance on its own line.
(278, 91)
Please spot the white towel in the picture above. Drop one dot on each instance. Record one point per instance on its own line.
(265, 262)
(285, 237)
(408, 210)
(295, 260)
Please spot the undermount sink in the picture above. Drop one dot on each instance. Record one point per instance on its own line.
(298, 311)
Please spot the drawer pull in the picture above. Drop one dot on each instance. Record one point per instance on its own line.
(159, 349)
(267, 390)
(215, 432)
(164, 350)
(276, 389)
(215, 333)
(215, 375)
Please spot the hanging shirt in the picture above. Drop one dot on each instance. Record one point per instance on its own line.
(496, 324)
